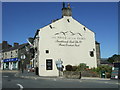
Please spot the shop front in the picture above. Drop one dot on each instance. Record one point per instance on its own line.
(10, 64)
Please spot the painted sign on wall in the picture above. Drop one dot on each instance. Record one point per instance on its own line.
(68, 38)
(11, 60)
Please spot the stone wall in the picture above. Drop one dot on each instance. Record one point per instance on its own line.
(78, 75)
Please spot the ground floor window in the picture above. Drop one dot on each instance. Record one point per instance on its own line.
(7, 65)
(49, 64)
(15, 65)
(10, 65)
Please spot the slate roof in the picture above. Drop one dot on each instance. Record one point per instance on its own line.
(0, 46)
(104, 62)
(97, 42)
(17, 47)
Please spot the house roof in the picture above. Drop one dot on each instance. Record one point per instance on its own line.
(17, 47)
(0, 46)
(62, 22)
(97, 42)
(104, 62)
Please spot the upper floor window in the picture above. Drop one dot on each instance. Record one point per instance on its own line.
(47, 51)
(16, 51)
(68, 20)
(36, 49)
(5, 55)
(91, 53)
(84, 28)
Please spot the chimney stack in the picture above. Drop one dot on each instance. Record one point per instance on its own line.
(66, 11)
(68, 5)
(4, 45)
(16, 44)
(63, 5)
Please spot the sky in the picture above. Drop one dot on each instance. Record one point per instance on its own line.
(20, 20)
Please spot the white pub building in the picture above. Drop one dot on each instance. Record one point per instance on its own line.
(64, 39)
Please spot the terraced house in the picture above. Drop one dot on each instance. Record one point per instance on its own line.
(11, 57)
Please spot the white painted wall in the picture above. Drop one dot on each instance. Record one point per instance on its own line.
(73, 55)
(8, 54)
(36, 58)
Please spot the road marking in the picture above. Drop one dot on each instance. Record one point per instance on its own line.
(117, 83)
(21, 87)
(5, 76)
(15, 74)
(105, 82)
(80, 81)
(35, 78)
(54, 79)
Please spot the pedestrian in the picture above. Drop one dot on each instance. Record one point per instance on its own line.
(80, 75)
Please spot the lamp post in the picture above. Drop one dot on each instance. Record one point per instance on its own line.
(22, 66)
(22, 58)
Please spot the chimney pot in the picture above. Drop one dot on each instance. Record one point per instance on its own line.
(16, 44)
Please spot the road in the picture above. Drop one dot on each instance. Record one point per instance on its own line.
(10, 81)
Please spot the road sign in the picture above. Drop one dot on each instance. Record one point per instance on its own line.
(22, 61)
(59, 62)
(59, 65)
(23, 56)
(10, 59)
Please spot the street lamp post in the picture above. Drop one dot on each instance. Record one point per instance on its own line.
(22, 65)
(22, 58)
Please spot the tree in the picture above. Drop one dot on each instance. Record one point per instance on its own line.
(82, 66)
(100, 68)
(68, 67)
(74, 68)
(114, 58)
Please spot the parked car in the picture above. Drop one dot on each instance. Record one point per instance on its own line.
(31, 70)
(115, 71)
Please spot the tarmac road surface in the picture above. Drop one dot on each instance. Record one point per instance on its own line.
(10, 81)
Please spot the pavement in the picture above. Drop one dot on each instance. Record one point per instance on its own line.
(11, 71)
(32, 75)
